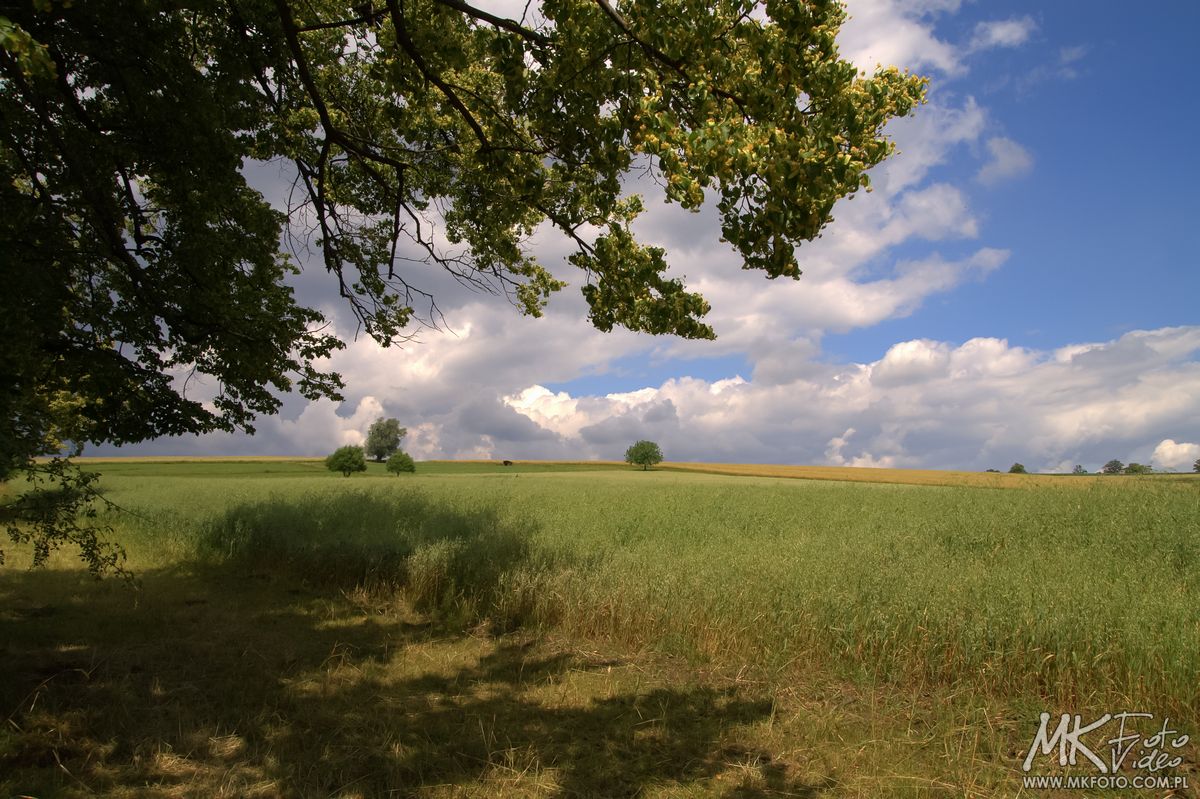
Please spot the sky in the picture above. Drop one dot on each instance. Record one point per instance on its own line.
(1020, 286)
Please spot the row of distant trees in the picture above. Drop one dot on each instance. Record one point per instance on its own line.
(1112, 467)
(383, 445)
(384, 435)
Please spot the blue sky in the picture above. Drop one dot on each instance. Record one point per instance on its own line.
(1021, 285)
(1103, 227)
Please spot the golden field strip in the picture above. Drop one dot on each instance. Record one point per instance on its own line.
(850, 474)
(195, 459)
(853, 474)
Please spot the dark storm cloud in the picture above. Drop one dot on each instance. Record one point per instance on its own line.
(654, 420)
(492, 418)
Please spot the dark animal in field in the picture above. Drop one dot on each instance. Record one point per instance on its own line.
(507, 463)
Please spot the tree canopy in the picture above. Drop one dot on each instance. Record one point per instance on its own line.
(644, 454)
(399, 462)
(383, 438)
(424, 134)
(1113, 467)
(347, 460)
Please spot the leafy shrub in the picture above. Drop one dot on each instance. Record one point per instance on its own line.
(400, 461)
(347, 460)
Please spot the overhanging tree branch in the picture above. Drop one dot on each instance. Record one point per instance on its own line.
(406, 43)
(499, 22)
(678, 65)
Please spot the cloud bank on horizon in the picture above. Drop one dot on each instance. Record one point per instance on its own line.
(917, 255)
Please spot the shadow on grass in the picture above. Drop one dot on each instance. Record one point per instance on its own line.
(266, 671)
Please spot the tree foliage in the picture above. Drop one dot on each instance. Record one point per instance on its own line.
(56, 507)
(400, 462)
(1079, 469)
(1017, 468)
(383, 438)
(1196, 466)
(138, 263)
(1138, 468)
(1113, 467)
(347, 460)
(644, 454)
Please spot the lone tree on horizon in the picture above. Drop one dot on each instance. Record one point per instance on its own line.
(1113, 467)
(383, 438)
(1017, 468)
(1196, 466)
(644, 454)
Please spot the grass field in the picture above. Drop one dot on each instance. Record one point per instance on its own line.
(591, 630)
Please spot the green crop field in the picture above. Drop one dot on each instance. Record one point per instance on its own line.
(591, 630)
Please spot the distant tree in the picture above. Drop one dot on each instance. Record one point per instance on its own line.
(644, 454)
(1113, 467)
(383, 438)
(994, 471)
(1017, 468)
(1079, 469)
(1196, 465)
(400, 461)
(1138, 468)
(347, 460)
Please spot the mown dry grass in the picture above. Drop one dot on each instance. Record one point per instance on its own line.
(239, 684)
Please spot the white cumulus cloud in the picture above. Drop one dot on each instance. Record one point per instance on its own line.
(927, 403)
(1008, 160)
(1002, 33)
(890, 32)
(1170, 454)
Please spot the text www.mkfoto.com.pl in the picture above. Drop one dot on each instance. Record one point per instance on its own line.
(1099, 782)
